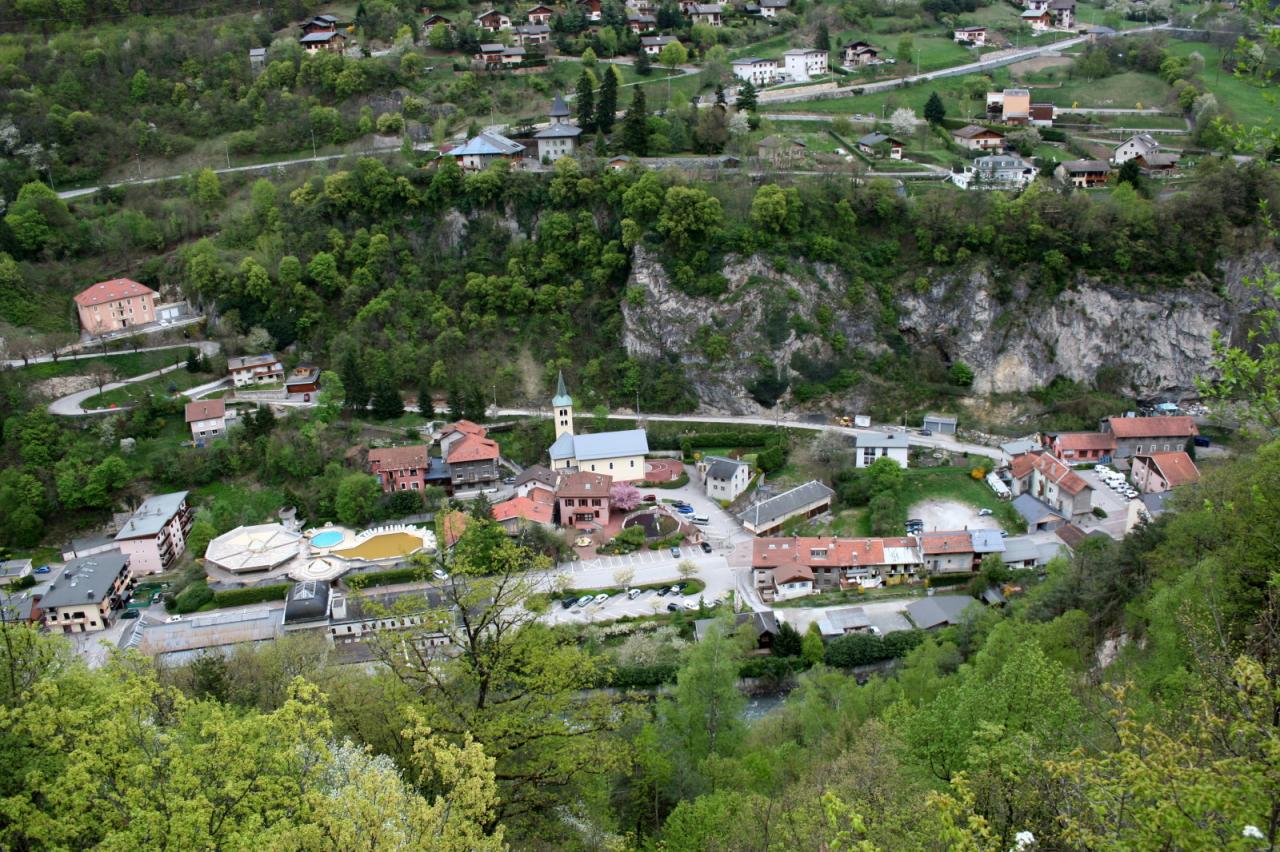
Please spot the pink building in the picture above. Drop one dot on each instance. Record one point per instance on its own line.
(400, 468)
(584, 499)
(156, 535)
(112, 305)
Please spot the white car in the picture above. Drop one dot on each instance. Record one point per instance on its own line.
(173, 619)
(690, 605)
(599, 599)
(1131, 494)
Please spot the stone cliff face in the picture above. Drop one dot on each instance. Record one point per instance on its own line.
(1158, 341)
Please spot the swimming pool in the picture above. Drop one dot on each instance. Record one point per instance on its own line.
(326, 539)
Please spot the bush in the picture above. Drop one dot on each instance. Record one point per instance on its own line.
(384, 578)
(251, 595)
(669, 541)
(194, 596)
(641, 677)
(1099, 512)
(860, 649)
(771, 668)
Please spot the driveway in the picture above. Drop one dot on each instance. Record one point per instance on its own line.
(888, 615)
(71, 404)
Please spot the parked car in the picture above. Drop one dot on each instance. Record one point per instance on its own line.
(680, 587)
(691, 605)
(1201, 441)
(675, 590)
(984, 513)
(650, 498)
(675, 552)
(632, 594)
(510, 480)
(156, 598)
(599, 599)
(926, 432)
(685, 510)
(584, 600)
(701, 520)
(129, 613)
(1131, 494)
(662, 593)
(706, 547)
(568, 603)
(173, 619)
(673, 607)
(873, 630)
(43, 569)
(439, 573)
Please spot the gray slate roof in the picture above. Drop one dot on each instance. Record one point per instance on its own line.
(721, 468)
(558, 131)
(488, 144)
(889, 440)
(1017, 448)
(152, 515)
(761, 622)
(1034, 511)
(15, 568)
(940, 610)
(836, 622)
(251, 361)
(85, 581)
(987, 541)
(873, 139)
(538, 473)
(766, 512)
(601, 445)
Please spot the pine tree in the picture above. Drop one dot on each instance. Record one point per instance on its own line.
(635, 125)
(455, 402)
(425, 406)
(387, 403)
(643, 66)
(934, 111)
(474, 405)
(746, 97)
(586, 103)
(822, 41)
(352, 374)
(608, 101)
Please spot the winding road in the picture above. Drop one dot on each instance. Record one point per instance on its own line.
(71, 405)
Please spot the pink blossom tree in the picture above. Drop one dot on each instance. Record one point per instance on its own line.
(624, 496)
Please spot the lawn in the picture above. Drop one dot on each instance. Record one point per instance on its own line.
(245, 503)
(1131, 89)
(169, 383)
(1246, 102)
(855, 523)
(125, 365)
(955, 483)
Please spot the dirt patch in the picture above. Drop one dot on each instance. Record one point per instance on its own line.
(951, 515)
(1040, 63)
(62, 385)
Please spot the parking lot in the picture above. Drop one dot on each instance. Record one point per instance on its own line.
(648, 602)
(1111, 501)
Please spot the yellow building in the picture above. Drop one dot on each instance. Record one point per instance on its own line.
(89, 594)
(617, 454)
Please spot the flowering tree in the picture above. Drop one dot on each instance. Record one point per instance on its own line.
(624, 496)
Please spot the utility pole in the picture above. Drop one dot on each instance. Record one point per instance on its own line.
(313, 143)
(226, 147)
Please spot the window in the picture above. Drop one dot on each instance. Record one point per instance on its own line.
(610, 466)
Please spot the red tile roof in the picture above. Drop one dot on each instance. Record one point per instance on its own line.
(473, 448)
(582, 484)
(109, 291)
(1084, 441)
(206, 409)
(466, 427)
(523, 507)
(1071, 535)
(542, 495)
(399, 458)
(947, 542)
(1176, 468)
(1050, 468)
(823, 551)
(792, 574)
(1180, 426)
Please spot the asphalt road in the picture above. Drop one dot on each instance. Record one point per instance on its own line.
(70, 405)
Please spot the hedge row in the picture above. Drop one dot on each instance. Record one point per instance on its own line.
(860, 649)
(734, 438)
(384, 578)
(679, 482)
(250, 595)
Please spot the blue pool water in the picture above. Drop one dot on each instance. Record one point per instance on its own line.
(326, 539)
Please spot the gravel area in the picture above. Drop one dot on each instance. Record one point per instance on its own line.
(950, 515)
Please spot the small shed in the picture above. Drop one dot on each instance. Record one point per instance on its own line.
(943, 424)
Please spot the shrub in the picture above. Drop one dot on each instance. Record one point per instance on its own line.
(1099, 512)
(860, 649)
(384, 578)
(251, 595)
(194, 596)
(641, 677)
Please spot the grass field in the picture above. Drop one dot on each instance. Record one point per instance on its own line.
(949, 90)
(955, 483)
(1246, 102)
(124, 365)
(245, 503)
(178, 380)
(1129, 90)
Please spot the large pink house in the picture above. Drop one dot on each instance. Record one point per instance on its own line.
(401, 468)
(115, 304)
(156, 535)
(584, 499)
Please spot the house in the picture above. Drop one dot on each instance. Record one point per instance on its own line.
(12, 570)
(540, 15)
(327, 40)
(972, 36)
(591, 8)
(1052, 482)
(1137, 145)
(833, 623)
(976, 138)
(584, 499)
(320, 24)
(1098, 33)
(763, 626)
(802, 64)
(1038, 514)
(88, 594)
(940, 424)
(536, 476)
(207, 420)
(499, 56)
(255, 370)
(400, 468)
(724, 478)
(652, 45)
(257, 58)
(985, 541)
(1010, 106)
(1039, 21)
(770, 8)
(1083, 174)
(707, 13)
(870, 145)
(857, 53)
(1063, 14)
(527, 35)
(757, 71)
(473, 462)
(1136, 435)
(305, 380)
(869, 446)
(1076, 447)
(352, 620)
(493, 21)
(456, 431)
(1073, 537)
(948, 552)
(1023, 552)
(780, 151)
(618, 454)
(835, 563)
(1154, 473)
(941, 611)
(804, 501)
(156, 534)
(560, 137)
(995, 172)
(619, 163)
(1009, 449)
(436, 20)
(1041, 115)
(483, 150)
(1158, 163)
(114, 305)
(517, 513)
(638, 22)
(21, 608)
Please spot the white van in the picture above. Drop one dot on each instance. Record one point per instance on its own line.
(702, 520)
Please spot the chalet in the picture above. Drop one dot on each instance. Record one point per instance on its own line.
(89, 594)
(1063, 14)
(1053, 482)
(770, 8)
(326, 40)
(560, 137)
(976, 138)
(114, 305)
(870, 446)
(1136, 435)
(540, 15)
(1158, 163)
(207, 420)
(483, 150)
(531, 35)
(1039, 21)
(1083, 174)
(303, 381)
(591, 8)
(859, 53)
(400, 468)
(707, 13)
(156, 533)
(972, 36)
(1154, 473)
(493, 21)
(255, 370)
(619, 163)
(1137, 145)
(803, 64)
(639, 22)
(873, 143)
(584, 499)
(499, 56)
(455, 432)
(436, 20)
(1076, 447)
(652, 45)
(320, 24)
(757, 71)
(724, 478)
(995, 172)
(804, 501)
(618, 454)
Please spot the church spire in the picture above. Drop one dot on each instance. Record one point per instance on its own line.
(562, 397)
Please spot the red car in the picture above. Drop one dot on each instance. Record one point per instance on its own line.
(651, 498)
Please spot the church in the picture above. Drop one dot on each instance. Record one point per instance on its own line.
(617, 454)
